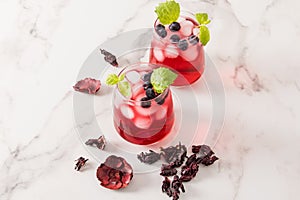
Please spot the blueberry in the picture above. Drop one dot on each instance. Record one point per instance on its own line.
(175, 26)
(145, 103)
(150, 93)
(183, 44)
(161, 31)
(147, 85)
(193, 39)
(174, 38)
(161, 100)
(147, 77)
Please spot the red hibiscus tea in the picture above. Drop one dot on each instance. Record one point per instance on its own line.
(145, 117)
(176, 45)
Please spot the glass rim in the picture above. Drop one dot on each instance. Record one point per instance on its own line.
(165, 92)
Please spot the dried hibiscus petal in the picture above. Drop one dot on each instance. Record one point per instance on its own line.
(202, 150)
(149, 158)
(100, 143)
(191, 159)
(172, 153)
(166, 187)
(88, 85)
(168, 170)
(80, 163)
(115, 173)
(206, 157)
(209, 160)
(109, 57)
(177, 184)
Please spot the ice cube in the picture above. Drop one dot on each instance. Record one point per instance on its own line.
(143, 122)
(158, 54)
(191, 53)
(171, 51)
(186, 28)
(196, 31)
(127, 111)
(133, 76)
(161, 113)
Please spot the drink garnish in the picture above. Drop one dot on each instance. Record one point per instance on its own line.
(168, 12)
(124, 86)
(162, 78)
(204, 34)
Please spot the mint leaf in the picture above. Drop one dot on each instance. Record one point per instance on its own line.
(168, 12)
(162, 78)
(121, 77)
(124, 88)
(202, 18)
(204, 35)
(112, 79)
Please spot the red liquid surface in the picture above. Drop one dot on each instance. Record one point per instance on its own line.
(144, 126)
(189, 64)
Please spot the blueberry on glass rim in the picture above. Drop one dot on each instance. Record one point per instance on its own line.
(193, 40)
(160, 100)
(183, 44)
(147, 77)
(150, 93)
(145, 103)
(147, 85)
(161, 31)
(174, 26)
(174, 38)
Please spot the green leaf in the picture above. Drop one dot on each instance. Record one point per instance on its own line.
(112, 79)
(202, 18)
(121, 77)
(162, 78)
(168, 12)
(204, 35)
(124, 88)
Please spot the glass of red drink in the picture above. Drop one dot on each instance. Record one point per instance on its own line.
(178, 47)
(139, 119)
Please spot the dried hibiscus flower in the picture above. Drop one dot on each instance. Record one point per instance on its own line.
(100, 143)
(80, 163)
(109, 57)
(114, 173)
(88, 85)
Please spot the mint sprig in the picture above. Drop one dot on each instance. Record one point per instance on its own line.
(124, 86)
(162, 78)
(204, 34)
(202, 18)
(168, 12)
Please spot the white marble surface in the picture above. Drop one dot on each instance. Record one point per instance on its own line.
(43, 43)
